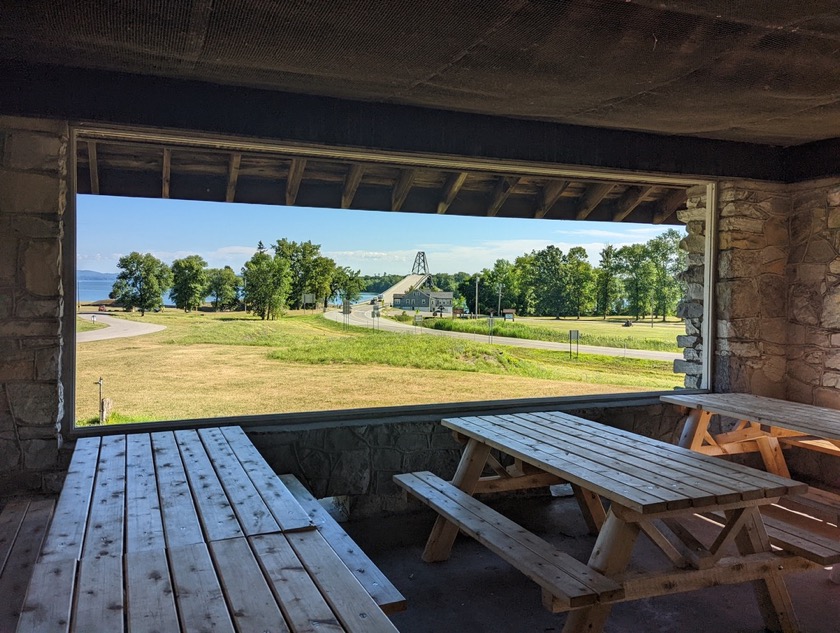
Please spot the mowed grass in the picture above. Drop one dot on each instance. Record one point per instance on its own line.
(609, 333)
(84, 325)
(209, 365)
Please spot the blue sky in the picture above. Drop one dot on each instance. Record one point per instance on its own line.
(370, 241)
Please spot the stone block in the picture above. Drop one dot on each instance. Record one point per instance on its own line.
(741, 240)
(805, 305)
(762, 385)
(734, 264)
(830, 314)
(10, 457)
(811, 274)
(692, 382)
(832, 197)
(48, 364)
(690, 310)
(696, 228)
(776, 232)
(686, 340)
(37, 226)
(742, 224)
(827, 397)
(742, 350)
(31, 124)
(832, 360)
(774, 367)
(833, 220)
(41, 265)
(738, 329)
(39, 455)
(17, 366)
(692, 355)
(692, 214)
(831, 379)
(803, 372)
(692, 327)
(773, 330)
(799, 391)
(693, 244)
(33, 151)
(818, 250)
(835, 340)
(29, 192)
(28, 307)
(7, 304)
(351, 473)
(772, 290)
(40, 328)
(738, 299)
(386, 459)
(34, 403)
(688, 367)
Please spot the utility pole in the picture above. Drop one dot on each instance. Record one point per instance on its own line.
(499, 310)
(476, 296)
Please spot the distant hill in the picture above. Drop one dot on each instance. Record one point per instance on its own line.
(93, 275)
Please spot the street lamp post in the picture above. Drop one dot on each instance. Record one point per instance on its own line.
(499, 310)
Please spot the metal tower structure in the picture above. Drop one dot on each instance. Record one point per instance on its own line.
(421, 266)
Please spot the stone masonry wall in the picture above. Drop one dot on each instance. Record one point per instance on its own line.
(751, 305)
(33, 197)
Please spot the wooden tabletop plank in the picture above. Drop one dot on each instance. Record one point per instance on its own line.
(144, 522)
(149, 594)
(254, 516)
(353, 606)
(106, 522)
(282, 503)
(99, 604)
(49, 598)
(252, 603)
(622, 492)
(749, 483)
(180, 519)
(11, 519)
(300, 599)
(805, 418)
(66, 535)
(214, 508)
(740, 477)
(198, 593)
(620, 458)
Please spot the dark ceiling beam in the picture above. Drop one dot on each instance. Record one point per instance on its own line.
(628, 202)
(167, 172)
(549, 195)
(351, 184)
(450, 190)
(93, 165)
(591, 198)
(296, 168)
(504, 187)
(401, 188)
(233, 176)
(135, 100)
(669, 205)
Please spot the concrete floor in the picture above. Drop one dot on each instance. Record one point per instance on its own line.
(476, 592)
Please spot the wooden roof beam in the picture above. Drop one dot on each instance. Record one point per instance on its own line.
(549, 195)
(233, 176)
(669, 205)
(628, 202)
(351, 185)
(450, 190)
(167, 171)
(401, 188)
(503, 189)
(296, 168)
(591, 198)
(93, 167)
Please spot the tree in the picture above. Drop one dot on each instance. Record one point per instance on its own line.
(141, 282)
(637, 272)
(223, 287)
(347, 283)
(309, 271)
(189, 282)
(266, 282)
(668, 261)
(579, 281)
(607, 281)
(548, 281)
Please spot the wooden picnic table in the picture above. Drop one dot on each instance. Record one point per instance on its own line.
(652, 488)
(187, 531)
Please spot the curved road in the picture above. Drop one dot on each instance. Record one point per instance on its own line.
(361, 317)
(117, 328)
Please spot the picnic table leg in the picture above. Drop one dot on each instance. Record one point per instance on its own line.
(473, 459)
(610, 557)
(771, 592)
(694, 430)
(591, 507)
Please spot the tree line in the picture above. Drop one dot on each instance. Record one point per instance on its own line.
(269, 282)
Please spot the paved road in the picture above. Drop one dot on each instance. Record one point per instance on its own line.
(361, 317)
(117, 328)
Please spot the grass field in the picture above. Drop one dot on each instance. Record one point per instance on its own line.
(83, 325)
(208, 365)
(609, 333)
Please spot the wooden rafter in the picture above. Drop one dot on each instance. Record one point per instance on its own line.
(401, 189)
(450, 190)
(93, 166)
(167, 171)
(669, 205)
(628, 202)
(549, 195)
(503, 188)
(351, 184)
(591, 198)
(296, 168)
(233, 176)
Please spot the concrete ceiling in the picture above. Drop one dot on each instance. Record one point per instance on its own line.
(751, 71)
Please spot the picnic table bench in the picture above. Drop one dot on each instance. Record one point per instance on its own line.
(193, 531)
(652, 488)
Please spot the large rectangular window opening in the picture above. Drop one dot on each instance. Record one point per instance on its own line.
(212, 281)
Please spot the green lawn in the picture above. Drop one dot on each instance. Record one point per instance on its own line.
(84, 325)
(609, 333)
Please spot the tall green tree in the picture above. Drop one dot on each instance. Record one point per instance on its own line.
(223, 287)
(266, 283)
(668, 261)
(309, 271)
(580, 282)
(141, 282)
(347, 283)
(189, 282)
(607, 281)
(637, 274)
(548, 280)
